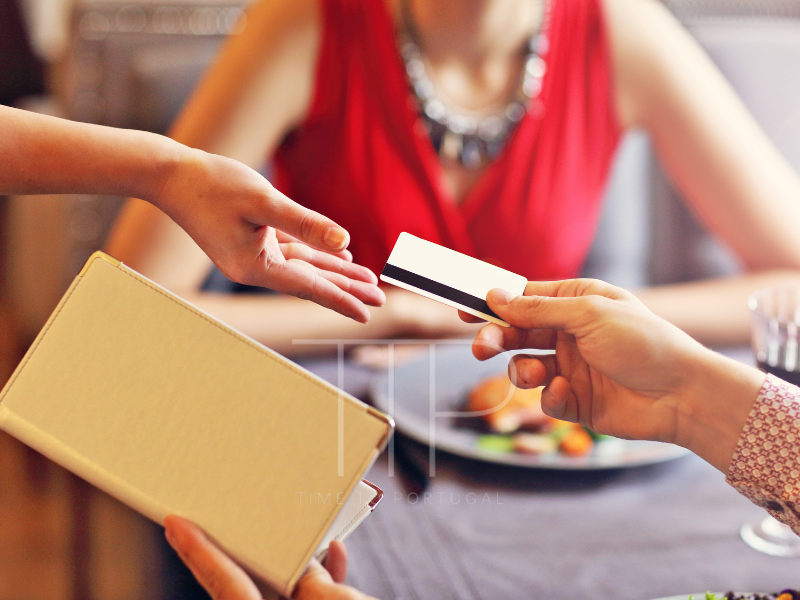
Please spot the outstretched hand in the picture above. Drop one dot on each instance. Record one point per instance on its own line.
(258, 236)
(223, 579)
(619, 369)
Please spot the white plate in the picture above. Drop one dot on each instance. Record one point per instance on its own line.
(456, 372)
(702, 596)
(684, 597)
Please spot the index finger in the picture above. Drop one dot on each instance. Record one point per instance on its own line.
(285, 238)
(468, 318)
(575, 288)
(302, 223)
(545, 312)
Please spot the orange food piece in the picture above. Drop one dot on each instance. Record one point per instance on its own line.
(510, 407)
(576, 443)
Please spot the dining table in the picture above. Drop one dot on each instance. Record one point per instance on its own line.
(483, 530)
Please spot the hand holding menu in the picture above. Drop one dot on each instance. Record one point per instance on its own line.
(172, 412)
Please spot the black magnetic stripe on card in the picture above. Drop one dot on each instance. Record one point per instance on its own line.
(438, 289)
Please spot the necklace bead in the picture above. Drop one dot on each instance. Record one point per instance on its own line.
(471, 141)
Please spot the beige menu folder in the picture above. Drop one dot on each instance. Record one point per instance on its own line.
(173, 412)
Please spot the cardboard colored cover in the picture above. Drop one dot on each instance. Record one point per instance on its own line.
(173, 412)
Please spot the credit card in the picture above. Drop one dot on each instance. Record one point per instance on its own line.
(448, 276)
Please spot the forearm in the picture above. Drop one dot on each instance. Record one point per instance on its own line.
(279, 321)
(714, 406)
(42, 154)
(713, 312)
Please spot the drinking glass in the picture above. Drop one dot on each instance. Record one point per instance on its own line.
(775, 314)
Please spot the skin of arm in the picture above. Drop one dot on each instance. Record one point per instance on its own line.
(621, 370)
(259, 89)
(229, 209)
(733, 177)
(42, 154)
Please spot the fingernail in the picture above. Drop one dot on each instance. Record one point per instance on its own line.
(525, 373)
(335, 237)
(501, 297)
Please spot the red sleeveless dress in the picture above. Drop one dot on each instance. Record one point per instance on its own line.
(363, 158)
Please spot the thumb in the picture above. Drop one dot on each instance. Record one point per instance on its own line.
(303, 223)
(534, 312)
(336, 561)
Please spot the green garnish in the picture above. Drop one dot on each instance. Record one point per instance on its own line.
(496, 443)
(559, 431)
(709, 596)
(597, 437)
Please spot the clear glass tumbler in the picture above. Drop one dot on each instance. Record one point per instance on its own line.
(775, 316)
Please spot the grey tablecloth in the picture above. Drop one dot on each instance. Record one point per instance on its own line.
(485, 531)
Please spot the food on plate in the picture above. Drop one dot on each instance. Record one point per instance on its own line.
(517, 423)
(577, 442)
(506, 407)
(787, 594)
(534, 443)
(496, 443)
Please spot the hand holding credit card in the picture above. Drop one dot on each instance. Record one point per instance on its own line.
(448, 276)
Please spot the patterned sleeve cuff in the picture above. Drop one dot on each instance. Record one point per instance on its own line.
(766, 463)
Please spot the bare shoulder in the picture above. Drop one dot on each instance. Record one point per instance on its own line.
(285, 19)
(259, 86)
(643, 23)
(647, 42)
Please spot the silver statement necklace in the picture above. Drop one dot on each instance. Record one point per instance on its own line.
(470, 140)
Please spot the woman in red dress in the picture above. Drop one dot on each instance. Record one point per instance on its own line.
(485, 125)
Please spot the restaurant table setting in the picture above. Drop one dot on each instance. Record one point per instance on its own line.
(642, 522)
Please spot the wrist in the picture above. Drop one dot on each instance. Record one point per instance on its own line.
(715, 405)
(169, 160)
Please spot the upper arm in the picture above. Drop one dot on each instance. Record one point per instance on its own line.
(259, 87)
(713, 149)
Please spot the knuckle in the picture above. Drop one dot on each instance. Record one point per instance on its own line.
(308, 222)
(271, 200)
(594, 307)
(597, 287)
(269, 258)
(312, 292)
(525, 308)
(587, 283)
